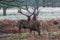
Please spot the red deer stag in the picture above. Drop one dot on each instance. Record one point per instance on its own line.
(30, 24)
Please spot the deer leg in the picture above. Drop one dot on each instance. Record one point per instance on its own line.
(38, 30)
(30, 30)
(39, 33)
(19, 28)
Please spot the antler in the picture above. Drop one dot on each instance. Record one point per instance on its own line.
(21, 12)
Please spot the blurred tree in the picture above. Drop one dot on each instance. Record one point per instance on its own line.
(48, 3)
(0, 0)
(9, 4)
(43, 3)
(52, 3)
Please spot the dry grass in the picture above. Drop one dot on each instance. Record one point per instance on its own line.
(24, 36)
(17, 36)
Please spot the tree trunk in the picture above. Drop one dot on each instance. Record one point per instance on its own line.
(4, 11)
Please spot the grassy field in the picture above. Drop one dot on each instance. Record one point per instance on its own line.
(17, 36)
(25, 36)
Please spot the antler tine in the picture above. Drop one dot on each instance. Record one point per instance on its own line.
(33, 12)
(37, 13)
(22, 12)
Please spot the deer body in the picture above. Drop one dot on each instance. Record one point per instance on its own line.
(32, 25)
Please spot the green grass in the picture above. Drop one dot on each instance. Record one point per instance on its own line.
(23, 36)
(18, 36)
(54, 32)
